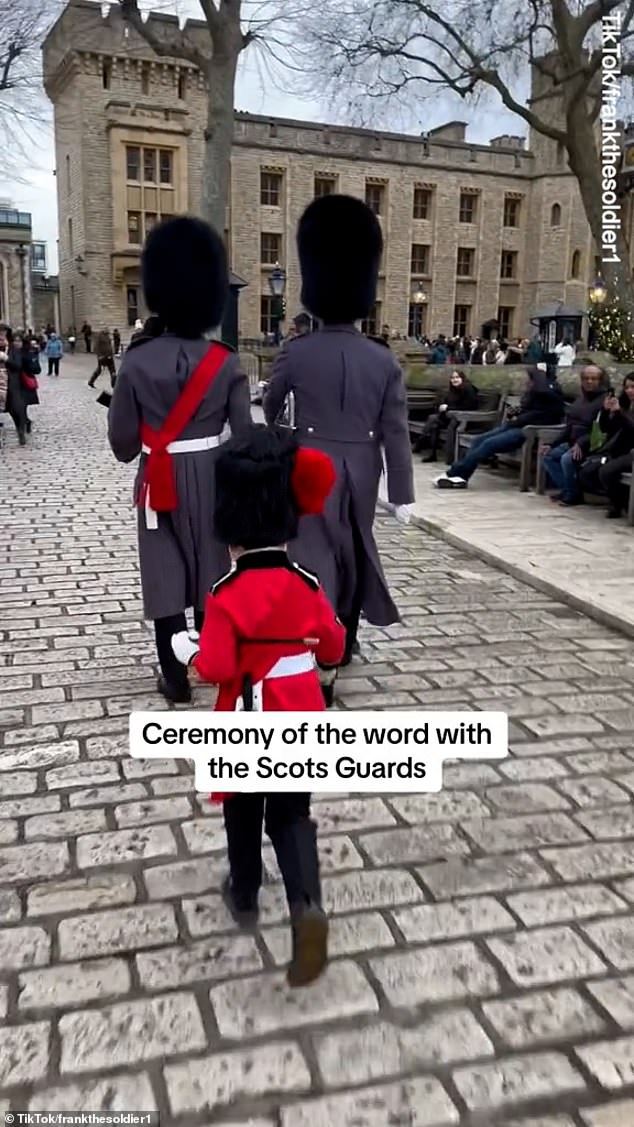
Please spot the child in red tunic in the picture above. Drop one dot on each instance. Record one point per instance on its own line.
(267, 628)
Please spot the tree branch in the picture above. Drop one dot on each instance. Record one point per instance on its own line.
(175, 48)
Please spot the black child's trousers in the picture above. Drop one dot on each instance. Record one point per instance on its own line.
(286, 820)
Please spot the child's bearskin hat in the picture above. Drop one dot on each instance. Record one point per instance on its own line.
(339, 242)
(264, 483)
(185, 275)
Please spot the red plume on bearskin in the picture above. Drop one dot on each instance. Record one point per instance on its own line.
(312, 480)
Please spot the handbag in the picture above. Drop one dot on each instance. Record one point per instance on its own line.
(589, 473)
(29, 382)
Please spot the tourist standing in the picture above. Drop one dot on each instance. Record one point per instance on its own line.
(86, 332)
(105, 358)
(54, 353)
(349, 401)
(174, 396)
(11, 379)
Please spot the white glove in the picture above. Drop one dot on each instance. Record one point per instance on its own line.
(443, 407)
(403, 513)
(185, 645)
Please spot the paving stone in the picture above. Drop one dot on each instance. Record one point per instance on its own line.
(44, 755)
(64, 987)
(81, 893)
(250, 1007)
(616, 995)
(615, 821)
(544, 1015)
(615, 939)
(479, 915)
(184, 877)
(204, 836)
(501, 835)
(82, 775)
(526, 798)
(483, 874)
(23, 947)
(127, 1032)
(146, 768)
(17, 782)
(357, 1056)
(206, 960)
(348, 935)
(457, 775)
(336, 854)
(206, 915)
(422, 1102)
(563, 724)
(594, 790)
(413, 844)
(517, 1080)
(449, 971)
(595, 762)
(595, 861)
(152, 810)
(615, 1114)
(443, 807)
(352, 813)
(67, 824)
(123, 929)
(8, 832)
(611, 1062)
(542, 767)
(211, 1082)
(572, 903)
(107, 795)
(370, 889)
(118, 846)
(551, 747)
(549, 954)
(541, 1121)
(117, 1093)
(10, 909)
(24, 1056)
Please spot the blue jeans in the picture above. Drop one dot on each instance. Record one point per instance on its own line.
(498, 441)
(562, 470)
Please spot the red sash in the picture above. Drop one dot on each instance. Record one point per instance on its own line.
(158, 486)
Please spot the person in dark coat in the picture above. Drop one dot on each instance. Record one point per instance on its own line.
(14, 405)
(185, 278)
(349, 401)
(461, 395)
(542, 405)
(105, 358)
(562, 462)
(30, 370)
(616, 421)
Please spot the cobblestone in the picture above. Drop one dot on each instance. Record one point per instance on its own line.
(481, 938)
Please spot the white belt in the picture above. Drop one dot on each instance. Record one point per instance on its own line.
(183, 446)
(290, 666)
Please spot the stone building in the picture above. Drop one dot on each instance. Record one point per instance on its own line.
(15, 287)
(472, 232)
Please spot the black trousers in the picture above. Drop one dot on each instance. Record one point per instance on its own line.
(53, 365)
(440, 425)
(106, 362)
(171, 668)
(286, 821)
(610, 478)
(17, 410)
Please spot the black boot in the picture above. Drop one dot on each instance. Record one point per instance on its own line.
(29, 426)
(243, 910)
(177, 692)
(431, 457)
(22, 436)
(614, 512)
(327, 679)
(296, 852)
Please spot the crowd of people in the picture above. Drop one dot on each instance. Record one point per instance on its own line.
(493, 351)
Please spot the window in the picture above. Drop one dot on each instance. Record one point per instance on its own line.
(166, 166)
(371, 324)
(271, 189)
(561, 152)
(324, 186)
(132, 299)
(422, 203)
(106, 74)
(135, 234)
(511, 212)
(182, 86)
(70, 236)
(467, 212)
(505, 321)
(149, 166)
(270, 249)
(416, 319)
(461, 315)
(465, 263)
(68, 180)
(145, 79)
(555, 215)
(508, 264)
(375, 197)
(133, 163)
(267, 318)
(151, 219)
(575, 267)
(420, 259)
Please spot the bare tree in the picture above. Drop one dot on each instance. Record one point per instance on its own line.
(23, 24)
(232, 26)
(390, 49)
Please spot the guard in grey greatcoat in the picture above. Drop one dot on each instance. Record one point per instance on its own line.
(185, 278)
(349, 400)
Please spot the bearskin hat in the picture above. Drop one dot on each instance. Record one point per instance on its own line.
(185, 275)
(264, 483)
(339, 242)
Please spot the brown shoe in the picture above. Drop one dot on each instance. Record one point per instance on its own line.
(310, 945)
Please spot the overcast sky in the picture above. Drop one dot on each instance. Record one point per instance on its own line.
(34, 187)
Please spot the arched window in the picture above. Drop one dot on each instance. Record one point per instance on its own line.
(575, 268)
(555, 215)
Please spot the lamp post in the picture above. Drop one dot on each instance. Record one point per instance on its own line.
(420, 299)
(598, 291)
(277, 283)
(22, 253)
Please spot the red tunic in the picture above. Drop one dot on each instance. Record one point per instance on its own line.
(258, 613)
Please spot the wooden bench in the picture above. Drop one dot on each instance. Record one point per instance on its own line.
(488, 402)
(489, 420)
(549, 436)
(421, 403)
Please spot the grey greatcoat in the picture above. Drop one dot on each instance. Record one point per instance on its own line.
(349, 402)
(181, 558)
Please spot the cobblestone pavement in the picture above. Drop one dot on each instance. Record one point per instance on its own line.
(483, 937)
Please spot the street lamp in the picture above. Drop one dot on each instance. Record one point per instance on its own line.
(277, 283)
(598, 291)
(22, 253)
(420, 299)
